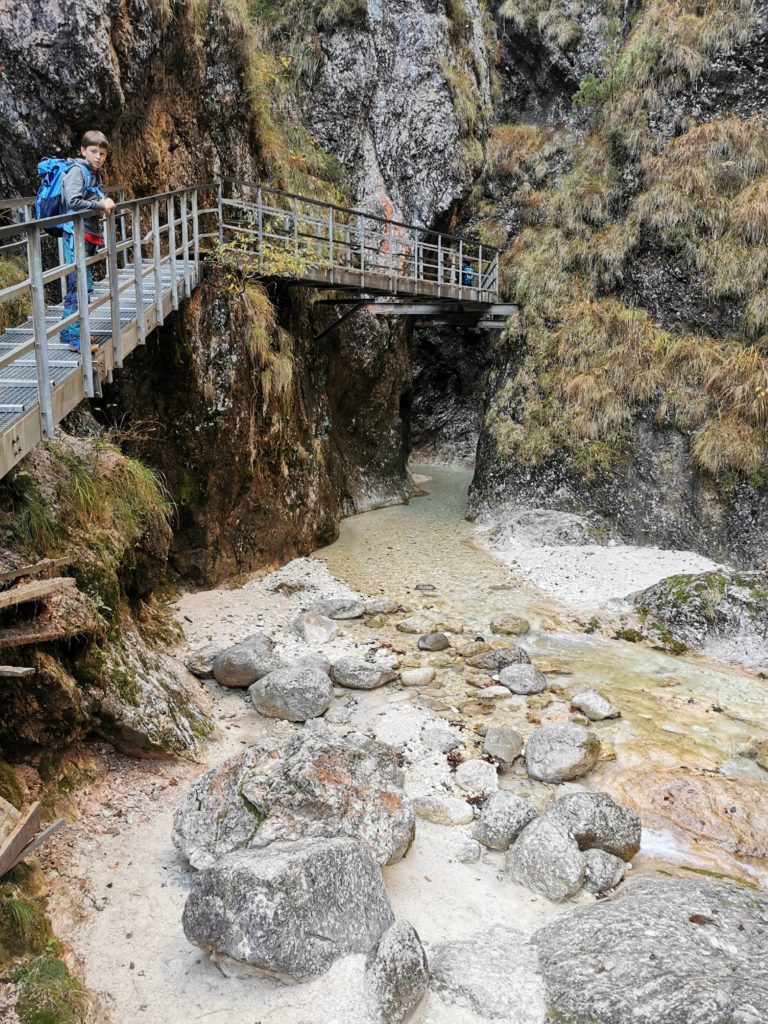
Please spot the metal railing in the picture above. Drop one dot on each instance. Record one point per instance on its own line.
(153, 249)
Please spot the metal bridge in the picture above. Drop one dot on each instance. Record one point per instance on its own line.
(153, 259)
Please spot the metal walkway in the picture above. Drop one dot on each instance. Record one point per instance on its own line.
(153, 260)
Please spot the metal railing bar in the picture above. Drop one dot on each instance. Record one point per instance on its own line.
(17, 353)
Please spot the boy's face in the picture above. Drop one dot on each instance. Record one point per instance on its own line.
(96, 156)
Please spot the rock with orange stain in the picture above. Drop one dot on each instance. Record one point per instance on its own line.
(317, 786)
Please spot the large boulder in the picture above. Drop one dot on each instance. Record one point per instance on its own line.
(559, 752)
(292, 908)
(662, 951)
(493, 973)
(245, 662)
(294, 694)
(723, 613)
(310, 785)
(499, 658)
(596, 821)
(358, 674)
(396, 975)
(502, 819)
(547, 860)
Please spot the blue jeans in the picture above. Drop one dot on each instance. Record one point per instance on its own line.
(71, 335)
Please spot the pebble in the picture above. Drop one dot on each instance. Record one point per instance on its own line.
(443, 810)
(512, 625)
(469, 852)
(503, 744)
(440, 737)
(594, 705)
(523, 679)
(416, 676)
(416, 624)
(488, 693)
(477, 777)
(434, 642)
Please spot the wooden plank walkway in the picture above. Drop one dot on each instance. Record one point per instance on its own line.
(20, 425)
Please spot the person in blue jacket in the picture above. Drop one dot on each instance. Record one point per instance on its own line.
(81, 191)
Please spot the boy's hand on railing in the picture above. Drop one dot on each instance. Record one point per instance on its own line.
(108, 204)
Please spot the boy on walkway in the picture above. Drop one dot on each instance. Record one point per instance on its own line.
(81, 190)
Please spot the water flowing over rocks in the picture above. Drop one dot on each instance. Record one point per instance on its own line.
(306, 786)
(396, 975)
(294, 694)
(494, 973)
(292, 908)
(722, 613)
(560, 752)
(662, 951)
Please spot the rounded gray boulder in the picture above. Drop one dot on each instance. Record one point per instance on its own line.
(396, 975)
(546, 860)
(596, 821)
(245, 662)
(502, 819)
(357, 674)
(558, 752)
(434, 642)
(294, 694)
(340, 608)
(523, 679)
(503, 744)
(499, 658)
(602, 871)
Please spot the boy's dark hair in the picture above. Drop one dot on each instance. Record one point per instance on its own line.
(94, 139)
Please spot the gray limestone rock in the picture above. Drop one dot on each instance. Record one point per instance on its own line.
(503, 745)
(309, 785)
(292, 908)
(396, 975)
(309, 661)
(314, 628)
(546, 860)
(357, 674)
(440, 737)
(245, 662)
(596, 821)
(661, 951)
(502, 819)
(511, 625)
(602, 871)
(418, 623)
(469, 851)
(477, 777)
(523, 679)
(594, 705)
(494, 973)
(294, 694)
(340, 608)
(200, 663)
(499, 658)
(434, 642)
(443, 810)
(559, 752)
(417, 676)
(381, 606)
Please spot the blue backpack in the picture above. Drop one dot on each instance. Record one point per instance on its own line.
(49, 201)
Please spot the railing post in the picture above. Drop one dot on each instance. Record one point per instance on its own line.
(196, 234)
(171, 213)
(122, 260)
(391, 262)
(295, 215)
(37, 290)
(461, 269)
(361, 230)
(157, 260)
(86, 359)
(480, 270)
(185, 243)
(138, 272)
(439, 266)
(220, 208)
(260, 227)
(114, 292)
(415, 256)
(330, 241)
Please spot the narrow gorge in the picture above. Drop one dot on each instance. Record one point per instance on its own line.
(371, 659)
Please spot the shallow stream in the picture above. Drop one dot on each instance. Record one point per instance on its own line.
(683, 751)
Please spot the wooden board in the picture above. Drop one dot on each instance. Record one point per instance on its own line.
(16, 672)
(35, 591)
(46, 565)
(19, 838)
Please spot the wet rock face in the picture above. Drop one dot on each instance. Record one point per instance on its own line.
(657, 496)
(308, 786)
(338, 905)
(722, 613)
(663, 951)
(381, 100)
